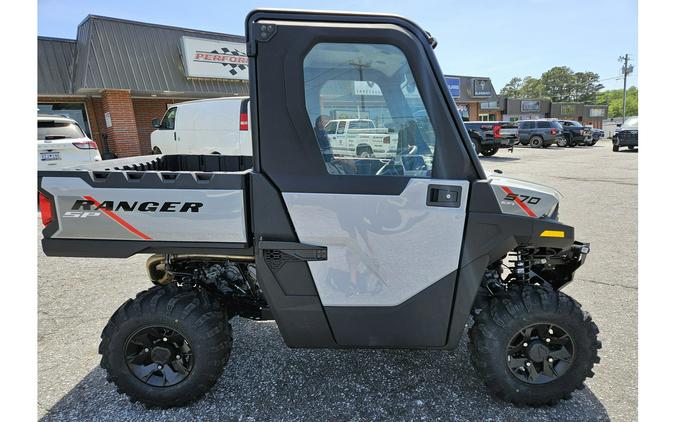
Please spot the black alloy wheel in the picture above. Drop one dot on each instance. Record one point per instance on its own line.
(159, 356)
(540, 353)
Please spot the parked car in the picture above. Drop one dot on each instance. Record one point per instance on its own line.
(62, 143)
(596, 135)
(575, 133)
(211, 126)
(360, 138)
(489, 137)
(540, 133)
(626, 135)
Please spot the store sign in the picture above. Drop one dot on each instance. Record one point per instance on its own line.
(481, 88)
(203, 58)
(453, 86)
(366, 88)
(530, 105)
(567, 109)
(596, 112)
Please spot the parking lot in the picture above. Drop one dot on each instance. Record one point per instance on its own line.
(265, 380)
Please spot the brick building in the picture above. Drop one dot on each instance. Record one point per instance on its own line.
(475, 97)
(515, 109)
(118, 75)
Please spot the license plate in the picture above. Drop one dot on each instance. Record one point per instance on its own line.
(50, 156)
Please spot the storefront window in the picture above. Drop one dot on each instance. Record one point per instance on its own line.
(463, 111)
(487, 105)
(75, 111)
(567, 109)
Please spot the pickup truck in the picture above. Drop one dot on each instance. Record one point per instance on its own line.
(342, 252)
(575, 133)
(359, 138)
(489, 137)
(626, 135)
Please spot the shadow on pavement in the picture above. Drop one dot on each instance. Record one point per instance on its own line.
(497, 159)
(266, 380)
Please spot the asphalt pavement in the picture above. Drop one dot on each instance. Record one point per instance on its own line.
(265, 380)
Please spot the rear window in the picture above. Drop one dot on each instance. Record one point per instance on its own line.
(49, 129)
(543, 124)
(361, 124)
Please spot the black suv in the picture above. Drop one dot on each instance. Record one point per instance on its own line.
(489, 137)
(575, 133)
(626, 135)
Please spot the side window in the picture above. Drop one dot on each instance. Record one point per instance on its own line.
(543, 124)
(330, 128)
(391, 134)
(527, 125)
(169, 119)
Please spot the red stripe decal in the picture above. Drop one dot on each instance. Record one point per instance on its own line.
(519, 201)
(119, 220)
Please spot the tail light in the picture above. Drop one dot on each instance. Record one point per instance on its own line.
(386, 140)
(554, 131)
(243, 121)
(497, 131)
(85, 145)
(46, 210)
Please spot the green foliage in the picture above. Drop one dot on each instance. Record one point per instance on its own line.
(559, 83)
(614, 99)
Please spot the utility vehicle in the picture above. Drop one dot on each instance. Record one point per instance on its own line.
(342, 252)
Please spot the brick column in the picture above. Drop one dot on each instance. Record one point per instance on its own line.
(123, 134)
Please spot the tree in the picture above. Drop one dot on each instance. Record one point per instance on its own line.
(512, 88)
(559, 83)
(614, 99)
(532, 88)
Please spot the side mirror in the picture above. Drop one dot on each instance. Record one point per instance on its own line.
(155, 123)
(618, 125)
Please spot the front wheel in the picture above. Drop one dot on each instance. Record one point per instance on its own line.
(615, 148)
(534, 346)
(168, 346)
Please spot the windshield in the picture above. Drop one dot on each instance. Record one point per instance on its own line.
(631, 121)
(50, 129)
(577, 124)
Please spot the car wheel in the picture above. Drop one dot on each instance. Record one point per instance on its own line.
(366, 152)
(525, 142)
(489, 152)
(534, 346)
(536, 142)
(561, 142)
(615, 148)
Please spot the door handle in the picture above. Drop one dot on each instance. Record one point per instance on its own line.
(444, 196)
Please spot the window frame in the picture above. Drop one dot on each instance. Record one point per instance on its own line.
(168, 111)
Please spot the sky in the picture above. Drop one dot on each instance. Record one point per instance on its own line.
(490, 38)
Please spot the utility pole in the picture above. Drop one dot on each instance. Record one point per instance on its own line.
(626, 69)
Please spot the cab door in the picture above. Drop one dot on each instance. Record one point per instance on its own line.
(363, 253)
(164, 137)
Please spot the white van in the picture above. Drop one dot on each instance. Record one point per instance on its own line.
(212, 126)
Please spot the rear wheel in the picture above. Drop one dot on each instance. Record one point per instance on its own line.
(489, 151)
(364, 152)
(168, 346)
(570, 141)
(615, 148)
(525, 142)
(536, 142)
(534, 346)
(561, 142)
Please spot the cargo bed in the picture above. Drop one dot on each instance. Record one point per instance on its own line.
(148, 204)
